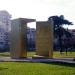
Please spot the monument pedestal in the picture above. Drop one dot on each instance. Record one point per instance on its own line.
(38, 57)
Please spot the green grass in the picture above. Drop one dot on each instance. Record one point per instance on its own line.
(69, 55)
(5, 54)
(29, 68)
(56, 54)
(31, 53)
(23, 68)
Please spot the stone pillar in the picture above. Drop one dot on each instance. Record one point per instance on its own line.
(18, 39)
(44, 39)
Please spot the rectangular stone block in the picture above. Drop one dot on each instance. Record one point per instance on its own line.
(44, 39)
(18, 39)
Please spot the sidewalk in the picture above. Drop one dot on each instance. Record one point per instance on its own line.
(30, 59)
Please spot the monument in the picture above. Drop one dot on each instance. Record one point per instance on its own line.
(18, 37)
(44, 38)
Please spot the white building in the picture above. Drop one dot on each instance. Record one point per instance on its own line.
(5, 18)
(5, 25)
(2, 35)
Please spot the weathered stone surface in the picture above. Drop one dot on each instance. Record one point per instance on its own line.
(18, 44)
(44, 39)
(18, 37)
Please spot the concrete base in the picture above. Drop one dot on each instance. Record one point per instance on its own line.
(38, 57)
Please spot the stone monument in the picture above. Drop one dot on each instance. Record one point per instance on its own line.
(18, 37)
(44, 39)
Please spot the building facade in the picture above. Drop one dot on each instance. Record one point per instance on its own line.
(31, 37)
(5, 18)
(5, 27)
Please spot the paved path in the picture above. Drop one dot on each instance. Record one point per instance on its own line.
(30, 59)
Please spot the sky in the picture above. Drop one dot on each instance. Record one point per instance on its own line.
(40, 9)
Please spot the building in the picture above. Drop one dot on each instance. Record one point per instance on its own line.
(5, 18)
(2, 36)
(5, 26)
(31, 32)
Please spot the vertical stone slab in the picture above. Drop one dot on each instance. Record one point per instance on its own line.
(44, 39)
(18, 39)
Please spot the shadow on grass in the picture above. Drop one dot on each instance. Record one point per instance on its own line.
(60, 64)
(1, 68)
(3, 55)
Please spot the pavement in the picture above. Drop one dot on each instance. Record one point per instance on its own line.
(41, 60)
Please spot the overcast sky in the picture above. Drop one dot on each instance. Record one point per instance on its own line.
(39, 9)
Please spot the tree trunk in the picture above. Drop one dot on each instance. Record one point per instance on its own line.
(60, 44)
(60, 40)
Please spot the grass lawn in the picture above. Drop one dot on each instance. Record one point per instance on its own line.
(4, 54)
(55, 54)
(29, 68)
(69, 55)
(23, 68)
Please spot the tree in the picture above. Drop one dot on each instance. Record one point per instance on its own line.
(58, 21)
